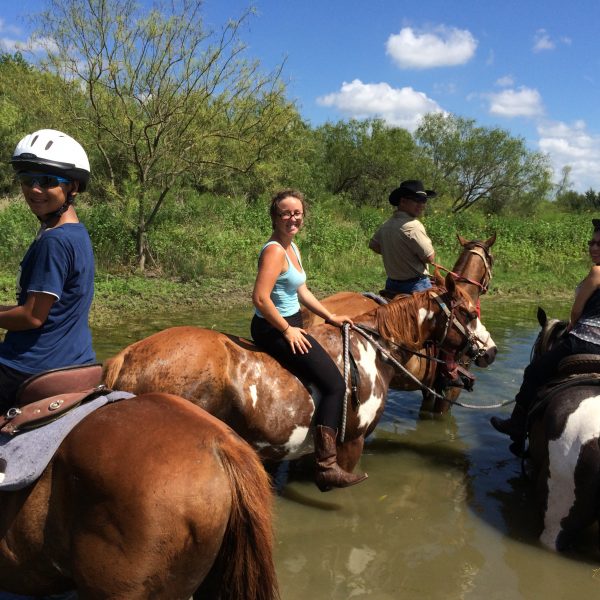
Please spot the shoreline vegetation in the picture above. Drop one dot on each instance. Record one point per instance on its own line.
(204, 252)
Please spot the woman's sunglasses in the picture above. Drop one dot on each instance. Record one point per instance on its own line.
(43, 181)
(594, 243)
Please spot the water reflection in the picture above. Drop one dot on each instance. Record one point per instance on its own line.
(444, 514)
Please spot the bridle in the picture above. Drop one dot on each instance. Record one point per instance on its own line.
(481, 250)
(373, 336)
(473, 344)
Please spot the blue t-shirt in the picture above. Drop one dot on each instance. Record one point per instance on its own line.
(59, 262)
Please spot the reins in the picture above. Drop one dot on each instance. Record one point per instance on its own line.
(369, 333)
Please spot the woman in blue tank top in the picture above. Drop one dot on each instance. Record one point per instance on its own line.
(583, 338)
(277, 327)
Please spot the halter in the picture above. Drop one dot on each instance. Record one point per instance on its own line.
(473, 343)
(481, 250)
(368, 334)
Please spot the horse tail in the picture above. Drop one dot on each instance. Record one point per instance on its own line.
(111, 369)
(244, 567)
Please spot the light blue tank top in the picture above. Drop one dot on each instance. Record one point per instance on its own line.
(285, 290)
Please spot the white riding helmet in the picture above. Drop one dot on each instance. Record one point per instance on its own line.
(55, 152)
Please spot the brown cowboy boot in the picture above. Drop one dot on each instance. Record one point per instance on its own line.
(329, 474)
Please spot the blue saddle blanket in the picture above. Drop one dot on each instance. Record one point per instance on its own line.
(23, 457)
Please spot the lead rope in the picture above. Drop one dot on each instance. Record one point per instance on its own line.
(346, 346)
(400, 366)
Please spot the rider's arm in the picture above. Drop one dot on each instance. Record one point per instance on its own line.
(31, 315)
(586, 288)
(271, 264)
(375, 245)
(307, 298)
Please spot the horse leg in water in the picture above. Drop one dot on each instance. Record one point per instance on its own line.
(439, 406)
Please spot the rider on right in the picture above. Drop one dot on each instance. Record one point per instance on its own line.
(583, 338)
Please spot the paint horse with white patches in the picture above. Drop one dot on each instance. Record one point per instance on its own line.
(564, 443)
(473, 273)
(269, 407)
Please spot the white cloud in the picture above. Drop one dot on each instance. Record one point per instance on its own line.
(441, 47)
(572, 145)
(33, 45)
(11, 29)
(542, 41)
(505, 81)
(402, 107)
(524, 102)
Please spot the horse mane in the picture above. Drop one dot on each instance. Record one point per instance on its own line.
(399, 319)
(548, 336)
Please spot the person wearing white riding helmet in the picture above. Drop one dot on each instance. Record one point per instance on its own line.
(48, 327)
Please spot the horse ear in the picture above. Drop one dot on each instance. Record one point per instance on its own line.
(461, 240)
(541, 316)
(450, 284)
(490, 241)
(437, 277)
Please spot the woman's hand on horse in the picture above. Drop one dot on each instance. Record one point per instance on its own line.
(295, 337)
(339, 320)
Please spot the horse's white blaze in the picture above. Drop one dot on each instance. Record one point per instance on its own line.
(483, 335)
(367, 361)
(582, 426)
(299, 443)
(253, 394)
(425, 315)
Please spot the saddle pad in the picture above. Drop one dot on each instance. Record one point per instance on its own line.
(24, 457)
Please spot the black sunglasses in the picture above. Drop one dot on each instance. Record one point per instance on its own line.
(43, 181)
(594, 243)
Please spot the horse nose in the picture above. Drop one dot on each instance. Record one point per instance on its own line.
(486, 359)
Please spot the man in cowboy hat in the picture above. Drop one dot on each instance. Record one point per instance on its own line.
(403, 242)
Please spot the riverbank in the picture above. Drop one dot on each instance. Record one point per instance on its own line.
(204, 253)
(120, 297)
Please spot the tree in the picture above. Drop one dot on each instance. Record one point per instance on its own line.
(164, 95)
(29, 100)
(364, 159)
(472, 163)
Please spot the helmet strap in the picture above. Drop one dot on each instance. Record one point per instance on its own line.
(49, 217)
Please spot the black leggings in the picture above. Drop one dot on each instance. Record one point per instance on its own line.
(544, 367)
(315, 367)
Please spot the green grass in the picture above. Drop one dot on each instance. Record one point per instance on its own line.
(204, 249)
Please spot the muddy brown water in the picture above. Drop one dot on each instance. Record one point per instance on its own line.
(445, 513)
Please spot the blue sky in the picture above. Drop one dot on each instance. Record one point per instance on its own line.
(530, 67)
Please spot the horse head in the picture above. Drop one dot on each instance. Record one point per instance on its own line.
(473, 268)
(551, 331)
(463, 331)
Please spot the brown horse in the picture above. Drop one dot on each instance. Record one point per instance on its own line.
(473, 272)
(269, 407)
(147, 498)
